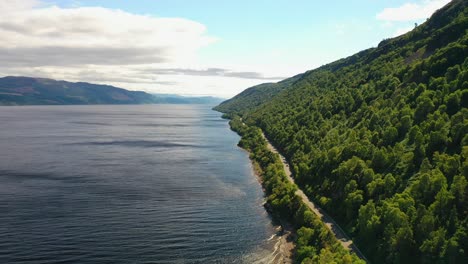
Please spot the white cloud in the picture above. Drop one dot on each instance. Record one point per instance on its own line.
(153, 78)
(94, 35)
(109, 46)
(411, 11)
(7, 6)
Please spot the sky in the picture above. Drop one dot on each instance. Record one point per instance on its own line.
(193, 47)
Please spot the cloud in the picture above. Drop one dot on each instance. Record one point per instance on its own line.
(94, 35)
(63, 56)
(115, 76)
(216, 81)
(15, 5)
(110, 46)
(411, 11)
(216, 72)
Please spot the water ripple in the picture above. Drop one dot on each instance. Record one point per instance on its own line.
(127, 184)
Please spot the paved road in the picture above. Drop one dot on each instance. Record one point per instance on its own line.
(326, 219)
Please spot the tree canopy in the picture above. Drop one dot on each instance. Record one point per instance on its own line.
(380, 141)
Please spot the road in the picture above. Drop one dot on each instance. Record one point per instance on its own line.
(326, 219)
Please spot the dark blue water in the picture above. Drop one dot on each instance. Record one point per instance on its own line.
(127, 184)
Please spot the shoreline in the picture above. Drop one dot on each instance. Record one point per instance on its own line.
(329, 222)
(284, 249)
(288, 204)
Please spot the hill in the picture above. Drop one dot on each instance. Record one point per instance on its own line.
(29, 91)
(379, 140)
(254, 96)
(41, 91)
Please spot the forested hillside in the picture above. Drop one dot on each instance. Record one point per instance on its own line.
(255, 96)
(315, 242)
(379, 140)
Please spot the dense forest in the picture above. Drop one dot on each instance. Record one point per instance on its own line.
(379, 140)
(255, 96)
(315, 243)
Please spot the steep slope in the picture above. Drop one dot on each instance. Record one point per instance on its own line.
(254, 96)
(379, 140)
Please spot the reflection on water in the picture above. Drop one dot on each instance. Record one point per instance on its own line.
(127, 184)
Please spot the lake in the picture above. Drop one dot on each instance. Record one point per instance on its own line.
(127, 184)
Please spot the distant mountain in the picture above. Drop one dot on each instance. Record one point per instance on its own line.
(33, 91)
(178, 99)
(41, 91)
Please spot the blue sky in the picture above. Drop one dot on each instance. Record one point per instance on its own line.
(253, 30)
(231, 44)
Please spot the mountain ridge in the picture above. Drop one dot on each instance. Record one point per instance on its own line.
(448, 11)
(21, 90)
